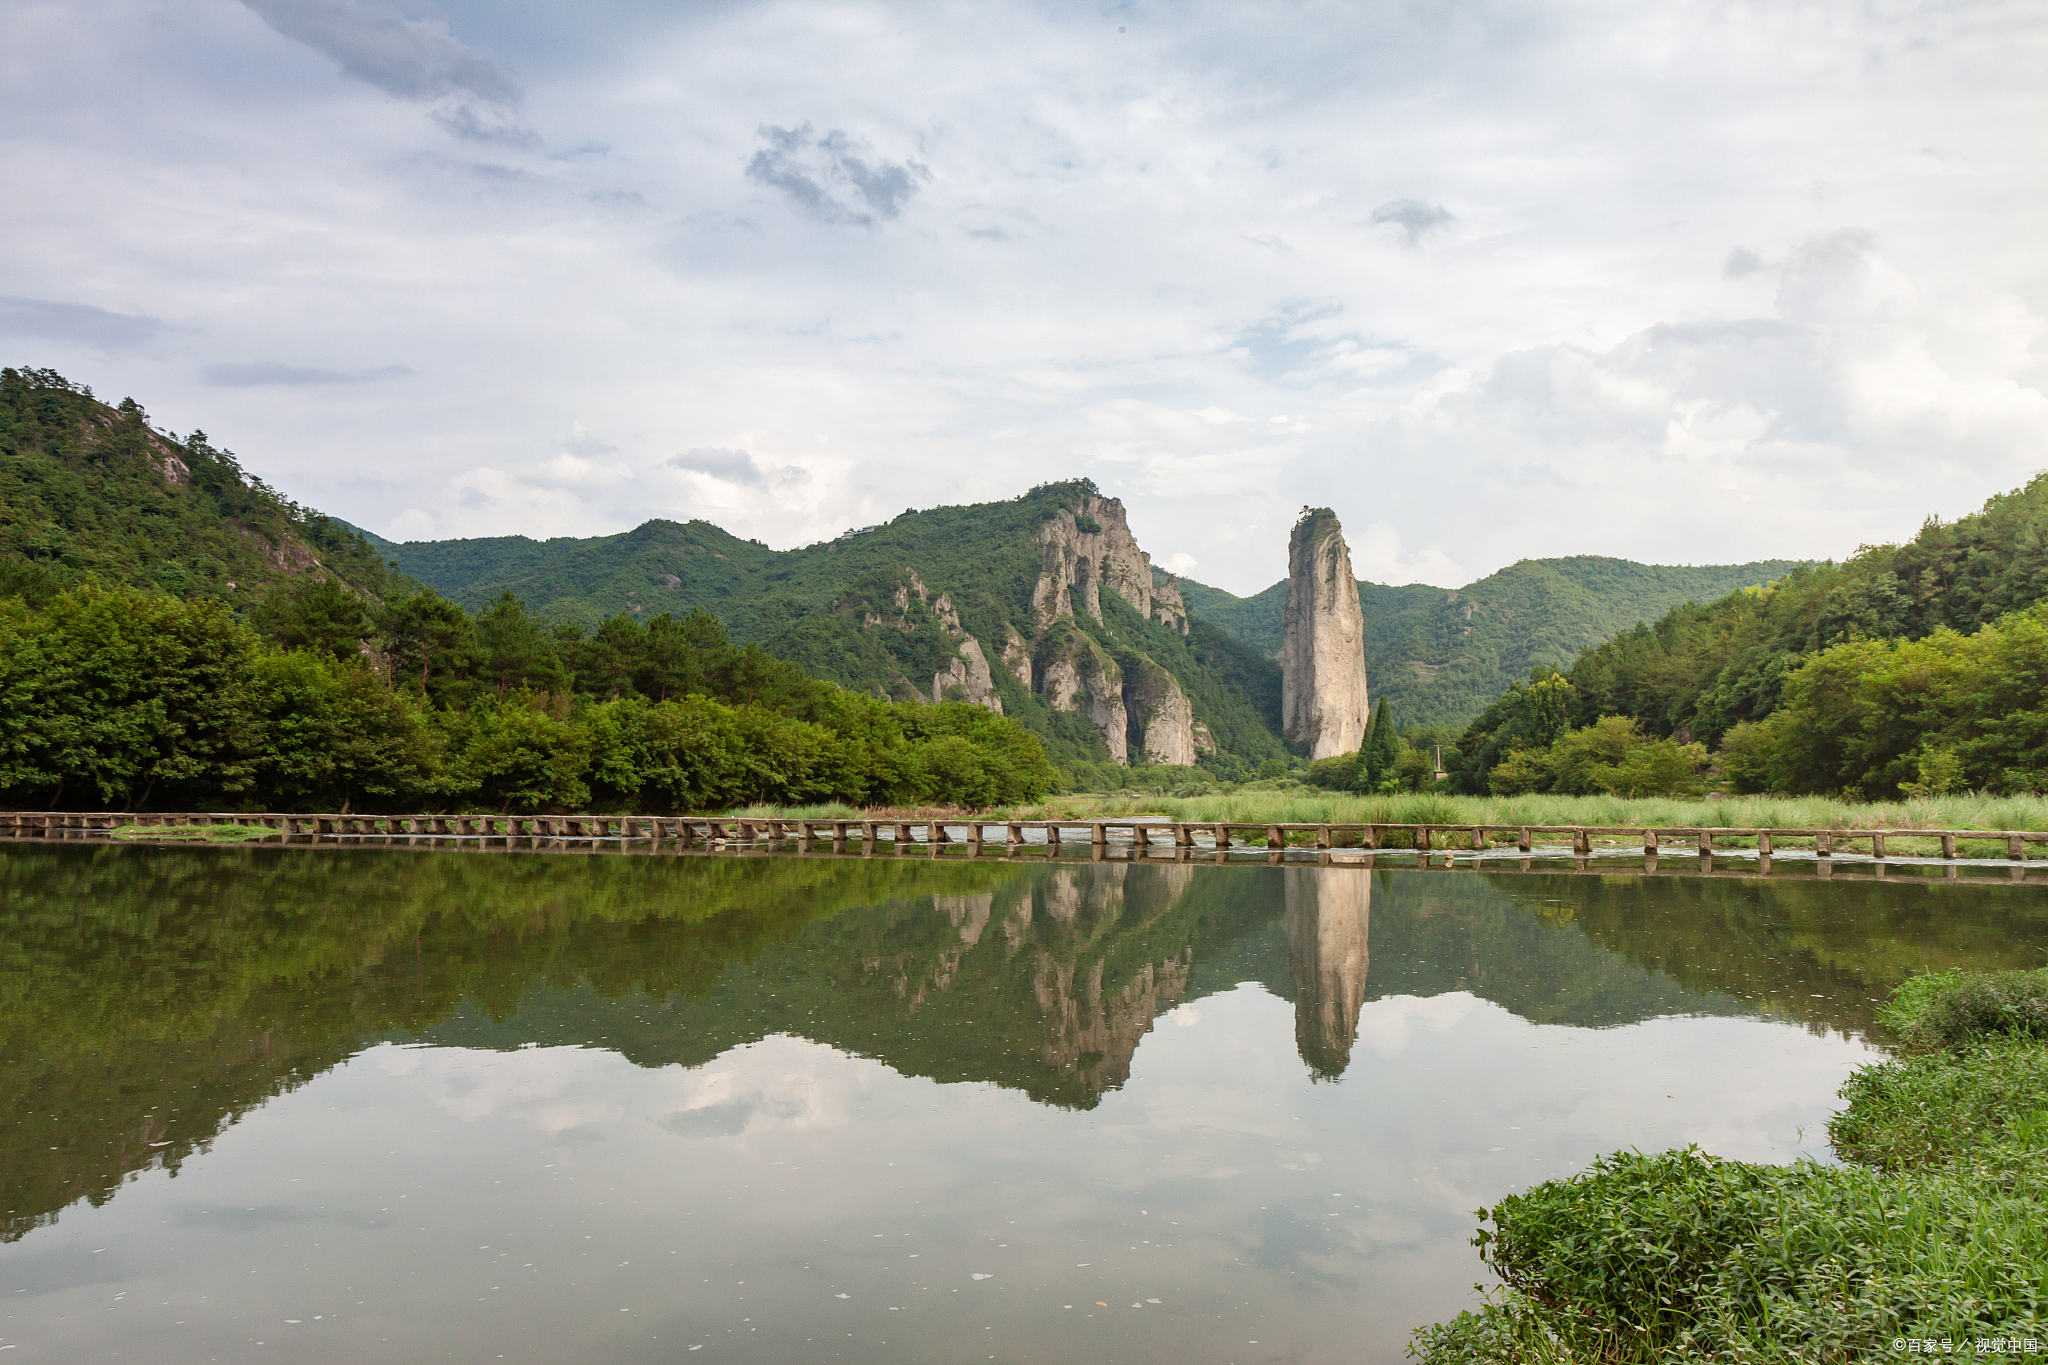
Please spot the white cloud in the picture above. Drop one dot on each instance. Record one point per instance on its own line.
(1754, 317)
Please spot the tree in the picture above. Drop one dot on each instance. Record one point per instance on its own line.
(514, 652)
(1380, 751)
(428, 638)
(320, 615)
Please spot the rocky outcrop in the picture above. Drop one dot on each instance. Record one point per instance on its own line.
(1162, 723)
(1062, 653)
(1168, 606)
(1075, 675)
(1017, 656)
(1323, 702)
(966, 677)
(1329, 910)
(1086, 548)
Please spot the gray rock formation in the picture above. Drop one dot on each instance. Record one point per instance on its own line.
(1017, 656)
(968, 672)
(1323, 701)
(1137, 706)
(1162, 723)
(1329, 910)
(1074, 675)
(1090, 547)
(968, 669)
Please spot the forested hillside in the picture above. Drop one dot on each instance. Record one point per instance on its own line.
(1914, 667)
(88, 489)
(125, 698)
(1441, 655)
(1088, 652)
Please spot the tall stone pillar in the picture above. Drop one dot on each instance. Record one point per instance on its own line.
(1329, 911)
(1323, 702)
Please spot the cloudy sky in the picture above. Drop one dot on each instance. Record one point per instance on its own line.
(1682, 282)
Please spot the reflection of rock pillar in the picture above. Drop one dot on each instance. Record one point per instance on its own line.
(1328, 910)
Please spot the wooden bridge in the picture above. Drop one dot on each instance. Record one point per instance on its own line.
(690, 830)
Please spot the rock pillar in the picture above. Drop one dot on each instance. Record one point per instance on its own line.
(1329, 911)
(1322, 649)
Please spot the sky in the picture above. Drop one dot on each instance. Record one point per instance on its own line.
(1680, 282)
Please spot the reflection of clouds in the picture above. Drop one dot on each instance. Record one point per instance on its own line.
(1187, 1016)
(777, 1083)
(1386, 1026)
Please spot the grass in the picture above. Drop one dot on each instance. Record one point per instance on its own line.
(1932, 1230)
(204, 834)
(1303, 806)
(1306, 806)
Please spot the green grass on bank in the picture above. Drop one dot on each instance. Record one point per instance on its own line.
(1768, 812)
(1932, 1231)
(204, 834)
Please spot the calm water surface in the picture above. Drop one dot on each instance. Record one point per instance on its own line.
(395, 1106)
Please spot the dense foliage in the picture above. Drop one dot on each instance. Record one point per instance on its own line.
(89, 489)
(1441, 655)
(1705, 669)
(1911, 669)
(1931, 1233)
(1388, 760)
(119, 697)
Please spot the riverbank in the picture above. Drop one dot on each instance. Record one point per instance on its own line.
(1303, 806)
(1927, 1241)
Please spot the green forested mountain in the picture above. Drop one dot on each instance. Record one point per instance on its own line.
(1043, 607)
(1441, 655)
(1706, 667)
(1914, 668)
(88, 489)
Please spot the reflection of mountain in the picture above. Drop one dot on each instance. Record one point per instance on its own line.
(148, 997)
(1328, 912)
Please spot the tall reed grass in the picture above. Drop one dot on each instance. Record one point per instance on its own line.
(1767, 812)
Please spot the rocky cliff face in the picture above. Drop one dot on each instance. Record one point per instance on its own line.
(1060, 647)
(1323, 701)
(1329, 910)
(1075, 675)
(1087, 548)
(1162, 723)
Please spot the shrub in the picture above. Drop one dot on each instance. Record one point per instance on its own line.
(1954, 1010)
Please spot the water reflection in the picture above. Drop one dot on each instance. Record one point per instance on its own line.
(1328, 914)
(148, 998)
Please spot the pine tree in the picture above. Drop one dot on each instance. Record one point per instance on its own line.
(1379, 751)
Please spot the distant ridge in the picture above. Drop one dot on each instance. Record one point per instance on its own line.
(1442, 655)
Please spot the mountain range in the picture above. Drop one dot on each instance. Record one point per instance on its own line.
(1439, 655)
(1043, 607)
